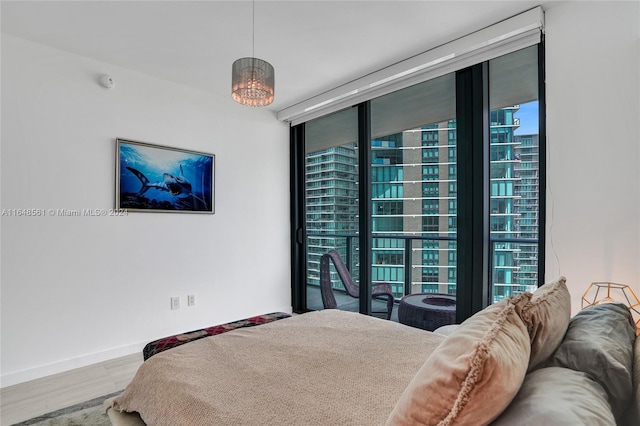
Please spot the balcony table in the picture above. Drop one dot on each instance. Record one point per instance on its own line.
(427, 311)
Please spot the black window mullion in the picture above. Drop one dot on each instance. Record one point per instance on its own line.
(482, 188)
(297, 196)
(364, 179)
(542, 162)
(472, 126)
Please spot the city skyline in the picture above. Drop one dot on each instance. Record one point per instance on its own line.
(420, 203)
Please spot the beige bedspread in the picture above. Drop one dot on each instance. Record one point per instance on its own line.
(321, 368)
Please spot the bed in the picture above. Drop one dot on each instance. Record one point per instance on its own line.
(325, 367)
(520, 361)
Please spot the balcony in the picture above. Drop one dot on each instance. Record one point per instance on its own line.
(422, 264)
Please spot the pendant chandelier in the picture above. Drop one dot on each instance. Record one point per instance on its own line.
(252, 79)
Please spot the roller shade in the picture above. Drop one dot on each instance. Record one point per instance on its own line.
(507, 36)
(335, 129)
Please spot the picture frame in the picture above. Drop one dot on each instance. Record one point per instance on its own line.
(162, 179)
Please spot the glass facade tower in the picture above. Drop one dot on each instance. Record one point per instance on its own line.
(508, 159)
(331, 205)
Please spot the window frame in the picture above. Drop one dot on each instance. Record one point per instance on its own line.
(474, 253)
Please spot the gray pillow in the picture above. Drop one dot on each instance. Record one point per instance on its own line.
(632, 417)
(557, 396)
(599, 342)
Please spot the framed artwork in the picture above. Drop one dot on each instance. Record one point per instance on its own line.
(154, 178)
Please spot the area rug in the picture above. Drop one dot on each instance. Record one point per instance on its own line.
(88, 413)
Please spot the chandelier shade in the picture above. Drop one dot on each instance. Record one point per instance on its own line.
(252, 82)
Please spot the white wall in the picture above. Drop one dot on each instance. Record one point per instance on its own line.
(78, 290)
(593, 110)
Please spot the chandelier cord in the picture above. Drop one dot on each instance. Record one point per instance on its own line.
(253, 29)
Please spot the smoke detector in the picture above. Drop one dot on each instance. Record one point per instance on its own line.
(107, 81)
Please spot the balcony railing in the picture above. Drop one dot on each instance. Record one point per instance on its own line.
(505, 275)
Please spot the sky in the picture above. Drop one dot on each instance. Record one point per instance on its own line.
(528, 115)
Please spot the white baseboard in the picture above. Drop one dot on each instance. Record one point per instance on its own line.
(41, 371)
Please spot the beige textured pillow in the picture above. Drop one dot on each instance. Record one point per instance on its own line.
(473, 375)
(547, 318)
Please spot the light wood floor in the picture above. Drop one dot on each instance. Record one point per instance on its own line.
(30, 399)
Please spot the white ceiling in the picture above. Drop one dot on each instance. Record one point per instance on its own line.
(314, 46)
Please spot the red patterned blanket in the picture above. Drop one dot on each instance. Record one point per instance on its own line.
(169, 342)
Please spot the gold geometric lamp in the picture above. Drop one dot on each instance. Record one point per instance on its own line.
(604, 292)
(252, 79)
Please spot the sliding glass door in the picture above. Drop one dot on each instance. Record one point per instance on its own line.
(331, 190)
(434, 188)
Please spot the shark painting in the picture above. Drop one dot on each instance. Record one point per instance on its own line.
(154, 178)
(178, 186)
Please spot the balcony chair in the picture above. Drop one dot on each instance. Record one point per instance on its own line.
(326, 289)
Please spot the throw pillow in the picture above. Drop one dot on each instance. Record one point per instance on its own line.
(473, 375)
(633, 414)
(599, 342)
(557, 396)
(547, 318)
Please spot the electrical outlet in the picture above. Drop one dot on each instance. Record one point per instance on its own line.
(191, 300)
(175, 303)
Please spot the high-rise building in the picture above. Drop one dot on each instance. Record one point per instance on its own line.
(514, 205)
(528, 207)
(414, 203)
(331, 205)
